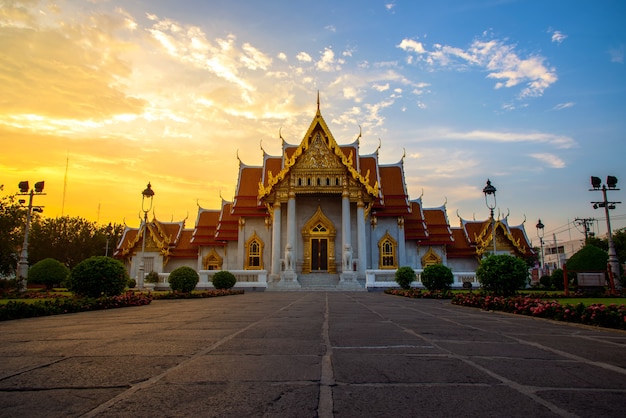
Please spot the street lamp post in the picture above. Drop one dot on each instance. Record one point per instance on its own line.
(490, 201)
(22, 269)
(147, 194)
(596, 184)
(540, 227)
(109, 230)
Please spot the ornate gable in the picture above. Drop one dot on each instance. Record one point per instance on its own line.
(317, 165)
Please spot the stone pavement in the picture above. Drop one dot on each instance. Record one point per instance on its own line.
(307, 354)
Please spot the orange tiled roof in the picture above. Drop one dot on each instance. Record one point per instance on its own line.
(461, 247)
(395, 197)
(206, 225)
(246, 202)
(228, 224)
(438, 226)
(414, 224)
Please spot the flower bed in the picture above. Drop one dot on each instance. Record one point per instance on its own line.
(197, 295)
(419, 293)
(608, 316)
(67, 304)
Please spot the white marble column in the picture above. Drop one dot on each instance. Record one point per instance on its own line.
(291, 227)
(360, 225)
(276, 240)
(401, 243)
(345, 227)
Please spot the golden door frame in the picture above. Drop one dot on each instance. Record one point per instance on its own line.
(319, 227)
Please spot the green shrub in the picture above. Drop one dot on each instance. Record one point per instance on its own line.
(98, 276)
(546, 281)
(502, 274)
(152, 277)
(48, 272)
(588, 258)
(405, 276)
(437, 277)
(183, 279)
(556, 279)
(132, 283)
(224, 280)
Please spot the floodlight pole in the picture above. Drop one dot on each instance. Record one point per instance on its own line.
(22, 265)
(540, 227)
(613, 260)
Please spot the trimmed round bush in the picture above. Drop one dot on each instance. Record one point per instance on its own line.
(437, 277)
(556, 279)
(48, 272)
(588, 258)
(98, 276)
(546, 281)
(183, 279)
(502, 274)
(405, 276)
(224, 280)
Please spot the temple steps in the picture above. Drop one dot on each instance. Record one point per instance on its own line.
(324, 282)
(318, 281)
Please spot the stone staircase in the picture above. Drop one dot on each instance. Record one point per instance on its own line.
(325, 282)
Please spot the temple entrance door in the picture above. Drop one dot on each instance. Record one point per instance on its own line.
(318, 239)
(319, 254)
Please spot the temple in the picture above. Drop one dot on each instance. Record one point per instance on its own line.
(320, 215)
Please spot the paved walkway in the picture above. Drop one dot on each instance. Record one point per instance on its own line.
(307, 354)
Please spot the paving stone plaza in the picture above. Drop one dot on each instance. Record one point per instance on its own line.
(308, 354)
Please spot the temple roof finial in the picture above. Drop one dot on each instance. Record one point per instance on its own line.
(318, 101)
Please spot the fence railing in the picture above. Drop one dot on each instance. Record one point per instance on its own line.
(387, 278)
(245, 279)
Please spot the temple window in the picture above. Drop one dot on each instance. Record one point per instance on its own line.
(319, 182)
(299, 182)
(336, 181)
(327, 181)
(254, 253)
(387, 248)
(308, 181)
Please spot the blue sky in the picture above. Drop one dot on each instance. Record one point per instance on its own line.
(527, 93)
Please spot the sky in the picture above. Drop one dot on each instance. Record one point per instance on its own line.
(99, 97)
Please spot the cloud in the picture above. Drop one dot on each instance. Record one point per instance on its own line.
(617, 54)
(304, 57)
(498, 59)
(558, 37)
(327, 62)
(559, 141)
(331, 28)
(550, 159)
(562, 106)
(411, 45)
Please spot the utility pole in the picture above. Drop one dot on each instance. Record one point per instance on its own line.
(586, 224)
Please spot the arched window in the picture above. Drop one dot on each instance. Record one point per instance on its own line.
(212, 261)
(254, 253)
(387, 249)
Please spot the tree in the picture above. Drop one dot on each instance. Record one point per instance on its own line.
(70, 240)
(405, 276)
(48, 272)
(588, 258)
(437, 277)
(183, 279)
(12, 221)
(502, 274)
(98, 276)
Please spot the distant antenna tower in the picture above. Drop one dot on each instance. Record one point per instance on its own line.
(67, 163)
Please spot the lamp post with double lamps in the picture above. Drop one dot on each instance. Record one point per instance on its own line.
(540, 227)
(146, 199)
(611, 183)
(22, 267)
(490, 201)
